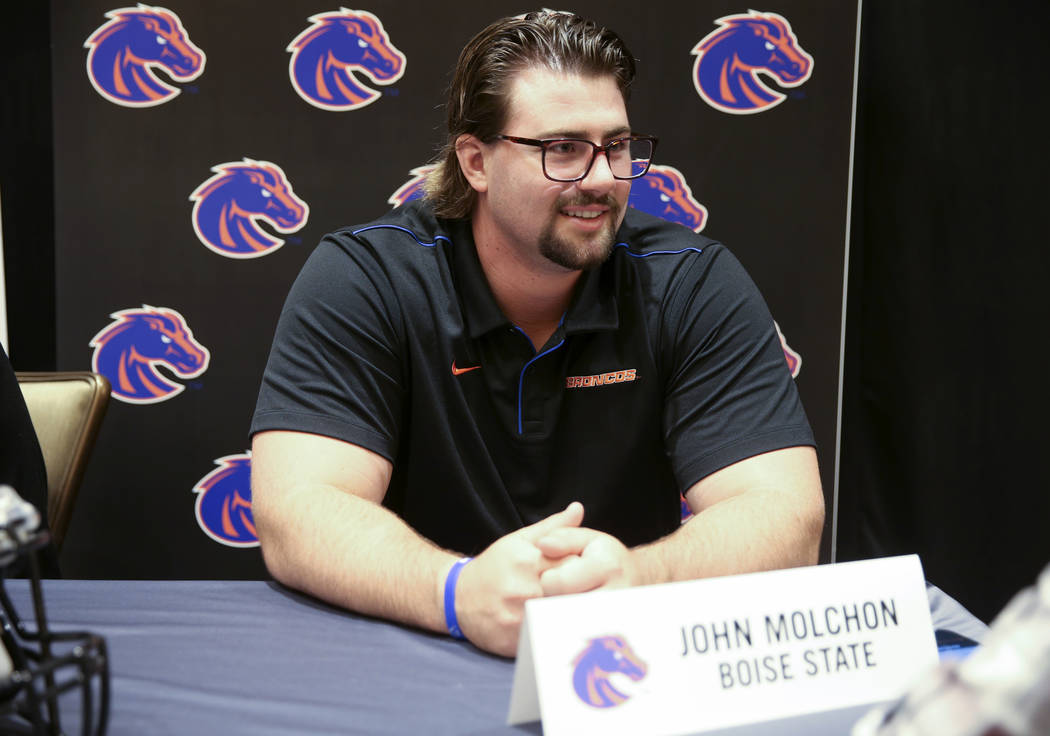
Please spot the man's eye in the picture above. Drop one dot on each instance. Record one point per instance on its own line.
(563, 148)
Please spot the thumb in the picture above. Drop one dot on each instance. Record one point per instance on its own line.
(570, 516)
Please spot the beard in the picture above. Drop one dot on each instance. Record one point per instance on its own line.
(584, 252)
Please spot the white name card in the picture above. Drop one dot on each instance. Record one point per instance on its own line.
(684, 658)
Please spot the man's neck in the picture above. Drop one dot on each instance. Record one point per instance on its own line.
(533, 295)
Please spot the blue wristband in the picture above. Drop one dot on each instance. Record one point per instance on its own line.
(450, 598)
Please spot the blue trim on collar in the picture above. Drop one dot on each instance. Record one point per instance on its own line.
(634, 254)
(404, 230)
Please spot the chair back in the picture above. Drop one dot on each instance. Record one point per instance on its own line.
(66, 409)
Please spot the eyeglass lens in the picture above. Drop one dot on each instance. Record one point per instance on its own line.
(570, 159)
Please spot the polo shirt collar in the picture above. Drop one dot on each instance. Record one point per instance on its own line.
(593, 306)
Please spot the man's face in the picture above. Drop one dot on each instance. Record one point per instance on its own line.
(569, 225)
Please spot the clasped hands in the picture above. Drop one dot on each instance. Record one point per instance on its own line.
(554, 556)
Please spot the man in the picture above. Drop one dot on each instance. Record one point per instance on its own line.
(521, 370)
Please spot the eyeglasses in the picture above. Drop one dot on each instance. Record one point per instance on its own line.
(570, 159)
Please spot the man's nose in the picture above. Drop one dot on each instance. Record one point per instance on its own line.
(600, 176)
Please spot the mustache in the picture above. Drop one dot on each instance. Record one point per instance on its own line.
(582, 200)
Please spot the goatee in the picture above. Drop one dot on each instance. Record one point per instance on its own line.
(581, 253)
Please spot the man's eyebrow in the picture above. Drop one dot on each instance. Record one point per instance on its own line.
(613, 133)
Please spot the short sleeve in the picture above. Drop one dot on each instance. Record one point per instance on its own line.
(335, 367)
(730, 394)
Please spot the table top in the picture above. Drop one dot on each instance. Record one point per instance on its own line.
(253, 657)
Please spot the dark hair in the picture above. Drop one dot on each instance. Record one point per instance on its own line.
(479, 93)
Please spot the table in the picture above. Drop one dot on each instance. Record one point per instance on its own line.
(253, 657)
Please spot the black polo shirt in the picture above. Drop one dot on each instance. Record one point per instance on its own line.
(665, 368)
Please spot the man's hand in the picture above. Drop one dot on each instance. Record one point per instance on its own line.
(589, 560)
(493, 588)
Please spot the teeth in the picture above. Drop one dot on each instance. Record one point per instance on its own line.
(584, 215)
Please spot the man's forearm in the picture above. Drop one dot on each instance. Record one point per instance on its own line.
(758, 530)
(353, 553)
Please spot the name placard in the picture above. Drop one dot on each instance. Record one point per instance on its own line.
(689, 657)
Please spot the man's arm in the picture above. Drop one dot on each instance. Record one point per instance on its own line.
(762, 513)
(317, 507)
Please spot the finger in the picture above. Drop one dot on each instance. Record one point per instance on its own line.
(565, 541)
(570, 516)
(578, 575)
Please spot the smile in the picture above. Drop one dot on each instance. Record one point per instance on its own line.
(584, 215)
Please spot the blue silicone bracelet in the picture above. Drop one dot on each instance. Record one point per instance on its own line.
(450, 598)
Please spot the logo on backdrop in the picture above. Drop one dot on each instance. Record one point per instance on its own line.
(411, 189)
(730, 59)
(794, 360)
(224, 502)
(663, 192)
(603, 657)
(326, 56)
(228, 206)
(126, 52)
(129, 350)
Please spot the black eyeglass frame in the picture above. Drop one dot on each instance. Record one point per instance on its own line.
(595, 150)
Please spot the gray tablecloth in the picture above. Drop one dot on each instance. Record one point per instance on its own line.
(247, 657)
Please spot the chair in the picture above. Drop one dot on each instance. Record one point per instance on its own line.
(66, 409)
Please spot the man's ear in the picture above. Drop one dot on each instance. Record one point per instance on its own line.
(471, 154)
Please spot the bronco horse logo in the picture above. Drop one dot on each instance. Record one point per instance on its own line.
(126, 51)
(337, 44)
(128, 351)
(729, 60)
(664, 192)
(413, 188)
(603, 656)
(224, 502)
(227, 205)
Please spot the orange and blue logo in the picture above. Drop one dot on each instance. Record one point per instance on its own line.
(129, 350)
(730, 59)
(228, 207)
(603, 657)
(328, 55)
(126, 52)
(411, 189)
(794, 360)
(664, 192)
(224, 502)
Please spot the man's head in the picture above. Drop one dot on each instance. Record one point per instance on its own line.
(479, 96)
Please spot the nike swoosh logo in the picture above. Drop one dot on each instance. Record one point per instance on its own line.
(460, 371)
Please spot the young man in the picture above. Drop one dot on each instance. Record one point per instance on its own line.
(520, 369)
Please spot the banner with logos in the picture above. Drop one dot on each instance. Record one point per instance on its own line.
(202, 150)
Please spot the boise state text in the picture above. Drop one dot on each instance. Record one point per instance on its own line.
(129, 350)
(832, 634)
(602, 657)
(327, 54)
(730, 59)
(126, 52)
(224, 502)
(227, 207)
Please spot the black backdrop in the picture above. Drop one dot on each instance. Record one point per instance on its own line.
(940, 430)
(946, 400)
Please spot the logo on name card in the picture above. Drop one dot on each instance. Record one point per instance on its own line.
(129, 350)
(224, 502)
(730, 59)
(594, 667)
(329, 55)
(127, 51)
